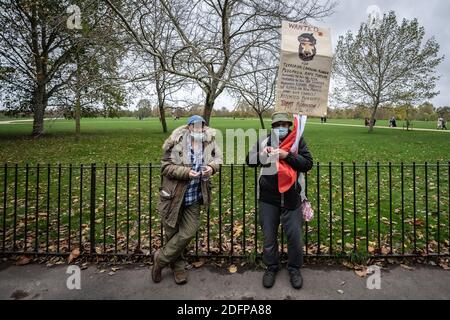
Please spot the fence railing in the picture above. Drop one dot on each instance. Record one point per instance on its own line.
(363, 209)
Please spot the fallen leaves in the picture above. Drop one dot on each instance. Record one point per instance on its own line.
(232, 268)
(384, 250)
(444, 266)
(73, 255)
(198, 264)
(348, 264)
(361, 273)
(238, 229)
(349, 245)
(23, 260)
(404, 266)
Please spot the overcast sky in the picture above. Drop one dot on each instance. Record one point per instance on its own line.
(433, 15)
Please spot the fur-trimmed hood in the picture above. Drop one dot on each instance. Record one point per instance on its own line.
(182, 132)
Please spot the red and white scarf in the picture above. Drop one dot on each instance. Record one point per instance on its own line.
(286, 174)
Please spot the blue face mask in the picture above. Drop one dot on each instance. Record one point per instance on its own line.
(282, 132)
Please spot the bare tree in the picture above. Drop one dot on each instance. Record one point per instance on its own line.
(257, 86)
(154, 32)
(386, 62)
(165, 83)
(53, 66)
(212, 36)
(96, 86)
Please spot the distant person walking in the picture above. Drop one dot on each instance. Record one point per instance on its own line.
(393, 123)
(439, 123)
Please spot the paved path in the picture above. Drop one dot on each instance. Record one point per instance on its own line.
(310, 122)
(376, 127)
(133, 282)
(20, 121)
(13, 121)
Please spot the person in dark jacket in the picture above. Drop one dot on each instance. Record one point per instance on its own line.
(275, 206)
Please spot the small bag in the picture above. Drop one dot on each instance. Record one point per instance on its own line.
(306, 210)
(305, 207)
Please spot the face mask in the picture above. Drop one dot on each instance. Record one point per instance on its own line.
(282, 132)
(197, 135)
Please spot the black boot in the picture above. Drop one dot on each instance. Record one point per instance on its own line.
(296, 278)
(269, 277)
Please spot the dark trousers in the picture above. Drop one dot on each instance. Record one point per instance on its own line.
(291, 221)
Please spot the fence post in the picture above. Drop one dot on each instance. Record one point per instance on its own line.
(92, 206)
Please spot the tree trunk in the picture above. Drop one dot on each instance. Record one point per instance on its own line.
(40, 105)
(372, 118)
(162, 116)
(77, 117)
(39, 94)
(78, 100)
(160, 90)
(261, 120)
(209, 105)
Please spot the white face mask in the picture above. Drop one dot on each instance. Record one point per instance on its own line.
(282, 132)
(197, 135)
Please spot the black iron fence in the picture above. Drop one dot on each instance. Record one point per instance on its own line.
(360, 209)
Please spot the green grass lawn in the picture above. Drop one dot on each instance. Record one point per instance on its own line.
(382, 123)
(335, 228)
(128, 140)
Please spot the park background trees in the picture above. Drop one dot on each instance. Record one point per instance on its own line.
(52, 58)
(182, 55)
(211, 38)
(386, 62)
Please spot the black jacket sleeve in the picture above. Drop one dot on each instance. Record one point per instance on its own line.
(302, 162)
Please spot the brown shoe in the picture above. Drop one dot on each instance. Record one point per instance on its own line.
(156, 271)
(180, 276)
